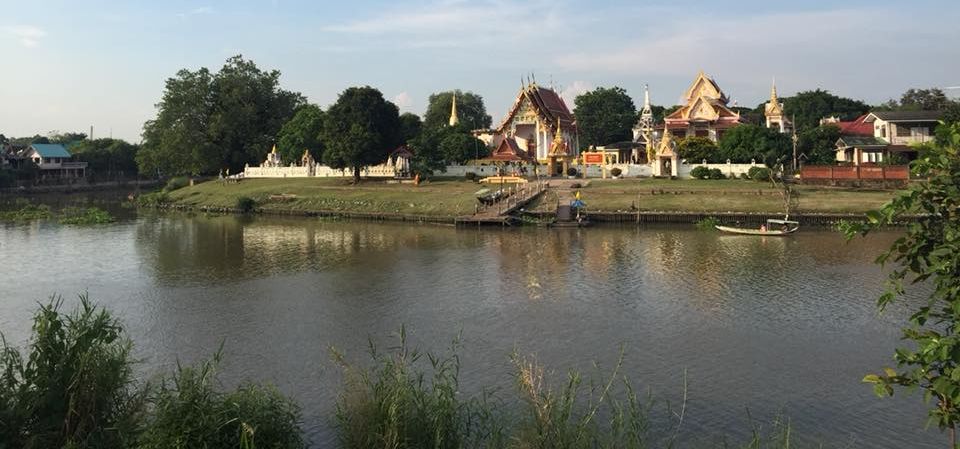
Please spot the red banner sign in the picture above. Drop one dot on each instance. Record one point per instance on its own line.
(593, 158)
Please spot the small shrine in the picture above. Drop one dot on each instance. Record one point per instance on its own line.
(773, 111)
(273, 158)
(667, 160)
(559, 153)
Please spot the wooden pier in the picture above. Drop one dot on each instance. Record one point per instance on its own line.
(501, 212)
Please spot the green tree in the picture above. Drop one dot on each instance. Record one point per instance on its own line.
(459, 147)
(952, 114)
(807, 108)
(932, 99)
(819, 144)
(360, 130)
(107, 158)
(410, 126)
(302, 132)
(427, 156)
(695, 149)
(208, 122)
(745, 143)
(471, 112)
(928, 253)
(604, 115)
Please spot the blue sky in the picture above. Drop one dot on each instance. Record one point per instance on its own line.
(68, 65)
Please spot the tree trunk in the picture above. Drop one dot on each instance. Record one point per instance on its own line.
(356, 174)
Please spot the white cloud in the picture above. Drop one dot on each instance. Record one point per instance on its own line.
(403, 101)
(29, 36)
(453, 23)
(196, 12)
(571, 92)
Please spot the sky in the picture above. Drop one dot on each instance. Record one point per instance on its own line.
(69, 65)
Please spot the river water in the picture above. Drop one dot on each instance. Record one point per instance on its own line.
(762, 327)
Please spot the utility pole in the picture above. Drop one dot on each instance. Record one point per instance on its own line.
(794, 138)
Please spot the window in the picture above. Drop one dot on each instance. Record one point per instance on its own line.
(680, 134)
(903, 131)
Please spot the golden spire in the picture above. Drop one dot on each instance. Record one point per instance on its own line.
(773, 91)
(454, 120)
(274, 150)
(559, 147)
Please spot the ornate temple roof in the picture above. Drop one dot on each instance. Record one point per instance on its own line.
(705, 103)
(546, 103)
(509, 151)
(773, 107)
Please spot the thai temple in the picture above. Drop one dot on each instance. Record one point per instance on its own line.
(705, 113)
(540, 125)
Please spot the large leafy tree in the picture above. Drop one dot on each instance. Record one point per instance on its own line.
(604, 115)
(932, 99)
(807, 108)
(746, 143)
(459, 147)
(696, 149)
(471, 111)
(301, 133)
(107, 158)
(410, 126)
(819, 144)
(206, 122)
(360, 130)
(928, 253)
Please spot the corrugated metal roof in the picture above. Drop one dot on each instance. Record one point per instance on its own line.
(50, 150)
(892, 116)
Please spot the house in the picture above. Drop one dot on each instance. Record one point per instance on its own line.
(884, 136)
(54, 161)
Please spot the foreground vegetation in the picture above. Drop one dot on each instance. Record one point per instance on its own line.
(74, 386)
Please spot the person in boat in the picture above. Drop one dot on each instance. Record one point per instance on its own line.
(763, 228)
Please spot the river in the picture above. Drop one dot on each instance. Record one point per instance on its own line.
(762, 327)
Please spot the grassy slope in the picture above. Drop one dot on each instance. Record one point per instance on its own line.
(438, 198)
(718, 196)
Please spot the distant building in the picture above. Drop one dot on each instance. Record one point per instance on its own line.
(705, 113)
(893, 135)
(541, 126)
(54, 161)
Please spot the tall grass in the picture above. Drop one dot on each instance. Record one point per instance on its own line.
(74, 386)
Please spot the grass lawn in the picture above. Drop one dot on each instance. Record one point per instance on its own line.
(436, 198)
(691, 195)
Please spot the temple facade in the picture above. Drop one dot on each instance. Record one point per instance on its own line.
(705, 113)
(540, 124)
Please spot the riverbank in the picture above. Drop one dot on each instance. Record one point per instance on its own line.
(133, 185)
(444, 200)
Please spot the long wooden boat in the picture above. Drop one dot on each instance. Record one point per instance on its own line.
(773, 227)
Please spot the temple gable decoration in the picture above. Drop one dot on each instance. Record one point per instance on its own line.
(705, 113)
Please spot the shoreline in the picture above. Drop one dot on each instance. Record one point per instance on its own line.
(601, 218)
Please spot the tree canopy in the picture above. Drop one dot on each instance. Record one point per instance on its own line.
(695, 149)
(746, 143)
(302, 132)
(932, 99)
(206, 122)
(360, 130)
(471, 111)
(604, 116)
(107, 158)
(807, 108)
(819, 144)
(410, 126)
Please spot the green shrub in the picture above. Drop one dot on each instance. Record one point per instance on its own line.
(572, 171)
(245, 204)
(700, 172)
(85, 216)
(153, 199)
(744, 176)
(470, 176)
(27, 212)
(188, 412)
(708, 224)
(615, 171)
(716, 173)
(75, 385)
(176, 183)
(759, 173)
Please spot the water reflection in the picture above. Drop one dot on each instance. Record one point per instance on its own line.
(768, 324)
